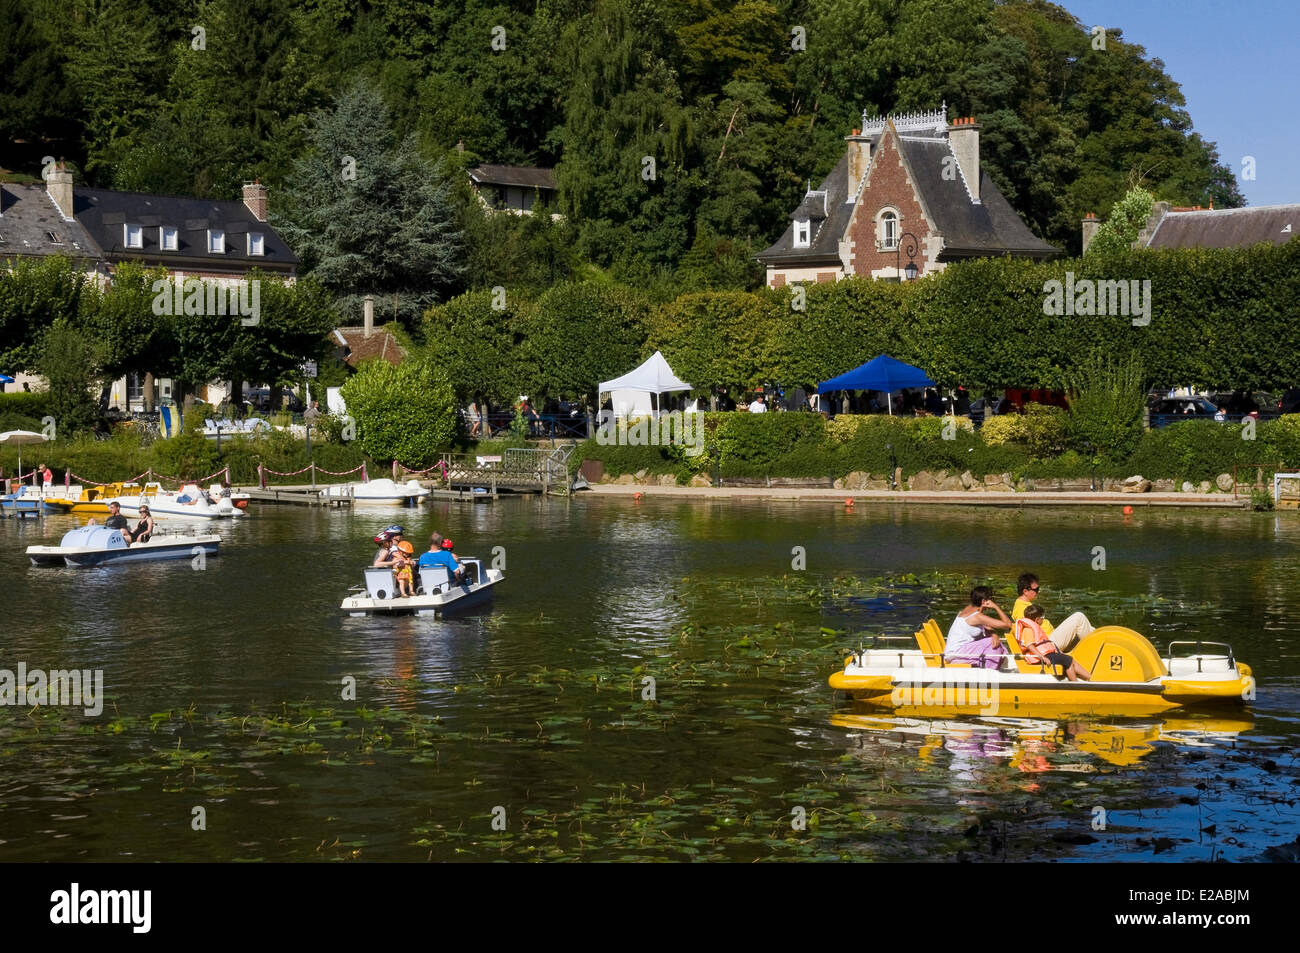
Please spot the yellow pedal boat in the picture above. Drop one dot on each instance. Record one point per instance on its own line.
(91, 500)
(1129, 677)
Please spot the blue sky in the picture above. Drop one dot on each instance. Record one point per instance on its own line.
(1236, 63)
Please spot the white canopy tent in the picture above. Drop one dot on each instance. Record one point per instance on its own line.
(636, 393)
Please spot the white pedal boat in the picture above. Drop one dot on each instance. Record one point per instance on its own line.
(383, 491)
(436, 593)
(187, 503)
(99, 545)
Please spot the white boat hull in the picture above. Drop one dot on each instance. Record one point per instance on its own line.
(450, 601)
(159, 547)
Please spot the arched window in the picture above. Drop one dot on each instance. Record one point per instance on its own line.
(888, 230)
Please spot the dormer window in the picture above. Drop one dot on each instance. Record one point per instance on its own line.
(888, 230)
(133, 235)
(256, 246)
(802, 233)
(168, 238)
(216, 241)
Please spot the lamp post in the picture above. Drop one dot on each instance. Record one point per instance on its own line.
(911, 248)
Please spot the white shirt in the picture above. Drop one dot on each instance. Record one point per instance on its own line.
(758, 407)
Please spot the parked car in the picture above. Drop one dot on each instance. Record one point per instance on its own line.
(260, 399)
(1239, 403)
(1290, 402)
(1171, 410)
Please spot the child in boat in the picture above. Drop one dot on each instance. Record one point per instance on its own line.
(1037, 647)
(403, 555)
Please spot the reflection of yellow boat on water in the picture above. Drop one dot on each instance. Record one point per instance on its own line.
(1129, 677)
(1025, 739)
(92, 500)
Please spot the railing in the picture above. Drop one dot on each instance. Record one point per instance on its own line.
(542, 425)
(544, 468)
(1261, 481)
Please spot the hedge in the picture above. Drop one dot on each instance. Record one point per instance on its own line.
(807, 446)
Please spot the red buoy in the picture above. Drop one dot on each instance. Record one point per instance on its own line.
(1128, 511)
(848, 501)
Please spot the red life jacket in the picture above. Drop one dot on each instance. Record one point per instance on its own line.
(1033, 643)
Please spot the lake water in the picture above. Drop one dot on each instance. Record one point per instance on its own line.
(225, 692)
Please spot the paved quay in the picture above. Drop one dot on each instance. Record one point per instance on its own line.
(935, 497)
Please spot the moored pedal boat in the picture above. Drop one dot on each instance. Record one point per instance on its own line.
(381, 491)
(99, 545)
(1129, 677)
(437, 592)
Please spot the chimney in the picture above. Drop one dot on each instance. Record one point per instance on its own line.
(964, 137)
(255, 199)
(859, 162)
(370, 315)
(59, 186)
(1090, 225)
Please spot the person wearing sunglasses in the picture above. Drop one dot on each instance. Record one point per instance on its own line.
(144, 528)
(1066, 635)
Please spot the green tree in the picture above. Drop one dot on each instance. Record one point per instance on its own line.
(405, 413)
(69, 363)
(33, 295)
(1127, 216)
(1106, 406)
(368, 215)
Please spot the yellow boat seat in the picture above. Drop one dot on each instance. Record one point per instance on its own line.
(1116, 654)
(930, 638)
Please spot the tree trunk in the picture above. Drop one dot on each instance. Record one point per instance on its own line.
(148, 393)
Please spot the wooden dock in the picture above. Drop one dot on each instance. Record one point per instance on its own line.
(292, 495)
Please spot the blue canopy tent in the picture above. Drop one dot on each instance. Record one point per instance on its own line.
(879, 373)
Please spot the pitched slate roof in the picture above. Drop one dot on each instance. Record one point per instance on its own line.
(103, 212)
(27, 217)
(824, 242)
(1227, 227)
(989, 227)
(361, 348)
(524, 176)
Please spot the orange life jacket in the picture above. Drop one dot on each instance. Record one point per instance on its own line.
(1033, 643)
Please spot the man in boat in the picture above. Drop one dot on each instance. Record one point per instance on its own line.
(439, 554)
(117, 521)
(1067, 634)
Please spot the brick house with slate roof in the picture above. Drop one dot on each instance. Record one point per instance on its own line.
(907, 198)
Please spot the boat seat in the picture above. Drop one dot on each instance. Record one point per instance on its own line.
(930, 638)
(380, 583)
(434, 579)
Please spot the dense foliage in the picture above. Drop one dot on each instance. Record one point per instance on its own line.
(739, 105)
(1218, 319)
(405, 413)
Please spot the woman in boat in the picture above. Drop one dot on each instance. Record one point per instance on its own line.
(387, 539)
(973, 635)
(144, 528)
(1037, 647)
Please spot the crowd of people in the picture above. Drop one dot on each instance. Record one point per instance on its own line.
(973, 637)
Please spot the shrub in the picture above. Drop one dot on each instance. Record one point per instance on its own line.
(1105, 416)
(405, 413)
(1261, 500)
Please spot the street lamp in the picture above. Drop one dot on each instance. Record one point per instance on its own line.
(911, 247)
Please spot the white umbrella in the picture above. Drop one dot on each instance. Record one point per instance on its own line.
(20, 437)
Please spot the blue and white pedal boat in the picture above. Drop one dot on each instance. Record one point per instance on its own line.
(100, 546)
